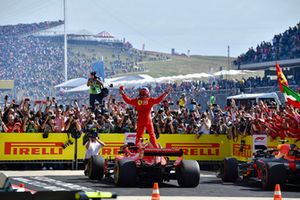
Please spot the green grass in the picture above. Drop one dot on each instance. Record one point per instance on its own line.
(178, 65)
(159, 64)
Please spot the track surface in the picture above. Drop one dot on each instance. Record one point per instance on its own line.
(210, 186)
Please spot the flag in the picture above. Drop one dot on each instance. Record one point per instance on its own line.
(98, 67)
(292, 97)
(281, 78)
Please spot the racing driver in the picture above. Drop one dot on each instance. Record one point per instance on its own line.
(143, 104)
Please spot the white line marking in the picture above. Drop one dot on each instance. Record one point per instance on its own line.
(39, 184)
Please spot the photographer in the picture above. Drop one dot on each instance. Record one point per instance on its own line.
(159, 122)
(95, 89)
(168, 125)
(107, 123)
(93, 146)
(205, 124)
(31, 124)
(73, 126)
(48, 126)
(89, 125)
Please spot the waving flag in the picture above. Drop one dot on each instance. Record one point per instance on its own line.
(292, 97)
(281, 78)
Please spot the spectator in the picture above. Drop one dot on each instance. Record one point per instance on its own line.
(13, 125)
(59, 121)
(205, 125)
(93, 146)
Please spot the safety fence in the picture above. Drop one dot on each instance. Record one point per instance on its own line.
(33, 147)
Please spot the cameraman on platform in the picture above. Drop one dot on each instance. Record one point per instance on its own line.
(95, 85)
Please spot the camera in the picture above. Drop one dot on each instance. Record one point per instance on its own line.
(126, 117)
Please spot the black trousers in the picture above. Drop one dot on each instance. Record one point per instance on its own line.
(93, 98)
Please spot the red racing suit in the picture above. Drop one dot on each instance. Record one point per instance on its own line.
(143, 106)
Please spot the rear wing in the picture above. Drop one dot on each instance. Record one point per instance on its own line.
(162, 152)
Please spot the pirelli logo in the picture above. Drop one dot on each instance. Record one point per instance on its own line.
(33, 148)
(246, 152)
(197, 149)
(111, 148)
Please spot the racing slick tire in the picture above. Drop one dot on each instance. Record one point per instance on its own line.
(96, 166)
(272, 174)
(230, 170)
(188, 173)
(125, 174)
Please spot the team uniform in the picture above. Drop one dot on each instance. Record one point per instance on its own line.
(143, 105)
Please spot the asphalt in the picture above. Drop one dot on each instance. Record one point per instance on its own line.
(210, 186)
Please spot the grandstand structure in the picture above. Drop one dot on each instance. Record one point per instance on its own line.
(284, 49)
(291, 68)
(82, 37)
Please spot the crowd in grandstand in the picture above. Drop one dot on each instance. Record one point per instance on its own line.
(283, 46)
(25, 29)
(37, 63)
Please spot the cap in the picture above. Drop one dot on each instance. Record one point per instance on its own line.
(93, 73)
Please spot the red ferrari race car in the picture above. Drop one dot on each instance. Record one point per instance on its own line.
(145, 163)
(269, 166)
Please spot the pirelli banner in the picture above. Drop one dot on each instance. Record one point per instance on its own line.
(206, 148)
(244, 147)
(32, 146)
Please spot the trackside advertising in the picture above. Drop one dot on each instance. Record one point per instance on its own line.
(206, 148)
(33, 147)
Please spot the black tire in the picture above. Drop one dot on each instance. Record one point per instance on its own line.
(96, 167)
(125, 173)
(230, 170)
(272, 174)
(188, 173)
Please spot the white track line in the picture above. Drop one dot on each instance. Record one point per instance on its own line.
(61, 173)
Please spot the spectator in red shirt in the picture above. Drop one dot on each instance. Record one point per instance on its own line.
(12, 126)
